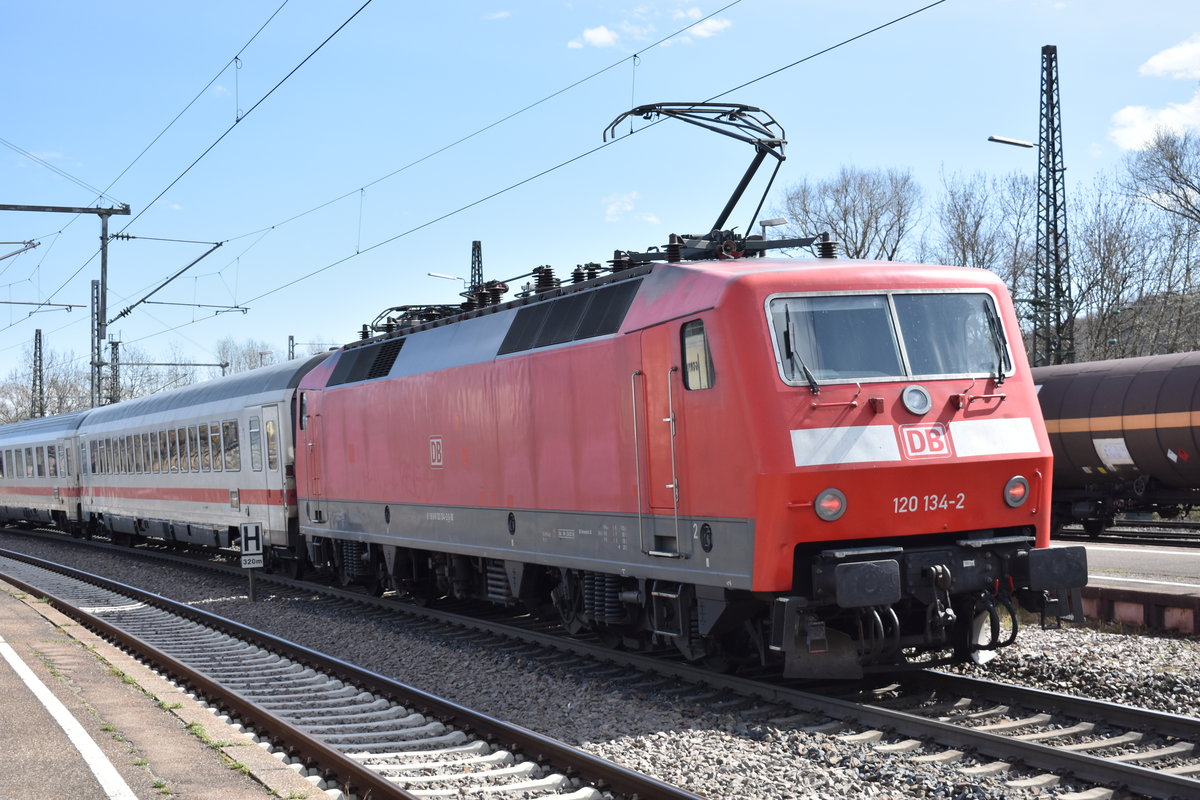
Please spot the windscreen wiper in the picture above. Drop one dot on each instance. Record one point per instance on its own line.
(793, 354)
(998, 343)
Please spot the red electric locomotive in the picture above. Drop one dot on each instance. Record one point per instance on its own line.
(837, 464)
(840, 461)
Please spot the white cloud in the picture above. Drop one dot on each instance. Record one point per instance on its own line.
(575, 45)
(600, 37)
(1180, 61)
(637, 31)
(1134, 126)
(710, 27)
(499, 15)
(617, 204)
(651, 218)
(691, 13)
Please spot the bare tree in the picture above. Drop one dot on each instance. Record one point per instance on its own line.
(871, 213)
(66, 380)
(245, 355)
(1167, 173)
(1109, 273)
(971, 233)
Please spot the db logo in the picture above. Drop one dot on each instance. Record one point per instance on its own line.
(929, 440)
(437, 452)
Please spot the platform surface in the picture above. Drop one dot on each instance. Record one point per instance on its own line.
(1163, 570)
(130, 735)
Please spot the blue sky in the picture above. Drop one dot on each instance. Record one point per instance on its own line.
(336, 170)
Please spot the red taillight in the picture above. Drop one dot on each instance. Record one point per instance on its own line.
(830, 504)
(1016, 491)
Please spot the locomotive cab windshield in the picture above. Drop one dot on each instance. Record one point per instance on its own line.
(887, 336)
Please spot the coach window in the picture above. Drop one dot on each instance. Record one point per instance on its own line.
(272, 446)
(184, 457)
(28, 462)
(205, 459)
(3, 470)
(128, 452)
(173, 449)
(303, 410)
(8, 464)
(233, 456)
(214, 438)
(51, 461)
(698, 367)
(255, 445)
(193, 449)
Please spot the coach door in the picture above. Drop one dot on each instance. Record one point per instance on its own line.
(658, 441)
(267, 468)
(310, 425)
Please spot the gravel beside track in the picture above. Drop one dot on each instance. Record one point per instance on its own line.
(734, 752)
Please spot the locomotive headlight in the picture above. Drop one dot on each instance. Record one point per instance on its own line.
(1016, 491)
(830, 505)
(916, 399)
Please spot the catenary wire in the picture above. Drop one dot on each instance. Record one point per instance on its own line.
(524, 181)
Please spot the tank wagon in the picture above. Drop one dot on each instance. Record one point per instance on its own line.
(1124, 435)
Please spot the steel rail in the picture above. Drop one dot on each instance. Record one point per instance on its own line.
(1116, 714)
(353, 776)
(541, 748)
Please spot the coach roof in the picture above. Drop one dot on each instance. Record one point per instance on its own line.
(253, 383)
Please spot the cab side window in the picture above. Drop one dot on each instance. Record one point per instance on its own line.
(698, 370)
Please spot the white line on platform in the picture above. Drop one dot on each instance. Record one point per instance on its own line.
(1114, 548)
(1142, 580)
(111, 782)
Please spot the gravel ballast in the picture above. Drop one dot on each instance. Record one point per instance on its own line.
(713, 752)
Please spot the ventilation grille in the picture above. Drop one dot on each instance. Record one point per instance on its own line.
(571, 318)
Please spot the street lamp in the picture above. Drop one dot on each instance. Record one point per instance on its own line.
(447, 277)
(1013, 142)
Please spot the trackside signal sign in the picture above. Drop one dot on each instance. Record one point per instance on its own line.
(252, 545)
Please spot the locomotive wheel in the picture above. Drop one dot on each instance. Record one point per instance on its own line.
(1093, 527)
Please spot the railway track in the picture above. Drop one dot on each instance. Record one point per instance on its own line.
(364, 733)
(1160, 533)
(1034, 739)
